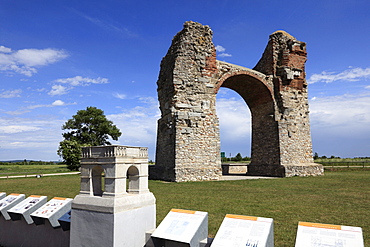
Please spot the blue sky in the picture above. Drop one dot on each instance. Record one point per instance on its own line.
(57, 57)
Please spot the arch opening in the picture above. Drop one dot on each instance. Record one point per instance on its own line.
(133, 184)
(253, 91)
(264, 135)
(234, 123)
(98, 180)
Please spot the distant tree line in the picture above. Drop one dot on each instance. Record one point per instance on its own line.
(28, 162)
(237, 158)
(316, 156)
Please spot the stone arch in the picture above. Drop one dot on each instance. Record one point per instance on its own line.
(251, 88)
(188, 139)
(96, 180)
(260, 99)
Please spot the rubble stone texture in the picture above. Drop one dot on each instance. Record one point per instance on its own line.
(188, 139)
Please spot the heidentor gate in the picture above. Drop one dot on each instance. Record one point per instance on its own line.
(275, 90)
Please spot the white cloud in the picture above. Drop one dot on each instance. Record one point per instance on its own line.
(235, 121)
(11, 129)
(55, 103)
(138, 125)
(74, 82)
(24, 138)
(24, 61)
(119, 95)
(225, 55)
(36, 57)
(353, 74)
(11, 94)
(58, 90)
(367, 87)
(31, 107)
(340, 125)
(220, 48)
(108, 25)
(82, 81)
(149, 100)
(4, 49)
(58, 103)
(345, 111)
(17, 112)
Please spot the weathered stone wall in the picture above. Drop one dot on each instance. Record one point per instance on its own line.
(284, 58)
(188, 144)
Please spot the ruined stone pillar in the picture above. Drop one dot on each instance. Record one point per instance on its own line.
(284, 60)
(188, 142)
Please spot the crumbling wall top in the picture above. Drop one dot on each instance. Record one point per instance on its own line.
(284, 33)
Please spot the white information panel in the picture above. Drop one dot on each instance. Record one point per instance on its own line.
(184, 226)
(316, 234)
(8, 202)
(2, 195)
(240, 230)
(52, 211)
(26, 207)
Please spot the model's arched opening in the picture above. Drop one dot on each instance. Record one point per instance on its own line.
(98, 180)
(133, 185)
(235, 124)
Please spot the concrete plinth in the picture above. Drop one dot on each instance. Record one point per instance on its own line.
(20, 233)
(291, 170)
(124, 224)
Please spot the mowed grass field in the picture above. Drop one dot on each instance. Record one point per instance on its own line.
(31, 169)
(339, 197)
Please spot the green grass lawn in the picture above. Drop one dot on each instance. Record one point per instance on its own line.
(341, 197)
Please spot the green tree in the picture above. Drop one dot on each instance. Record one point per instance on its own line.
(88, 127)
(316, 156)
(70, 151)
(238, 157)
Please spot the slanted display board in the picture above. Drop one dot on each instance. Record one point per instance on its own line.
(52, 211)
(240, 230)
(184, 226)
(2, 195)
(316, 234)
(26, 207)
(8, 202)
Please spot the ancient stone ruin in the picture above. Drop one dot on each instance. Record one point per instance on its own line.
(188, 139)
